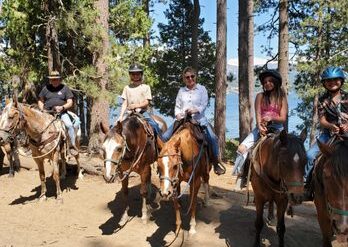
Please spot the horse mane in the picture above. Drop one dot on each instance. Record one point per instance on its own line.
(338, 159)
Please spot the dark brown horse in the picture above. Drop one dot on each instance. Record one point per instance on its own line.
(331, 191)
(277, 175)
(128, 147)
(47, 139)
(183, 158)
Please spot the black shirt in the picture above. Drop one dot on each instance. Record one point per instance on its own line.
(334, 113)
(55, 96)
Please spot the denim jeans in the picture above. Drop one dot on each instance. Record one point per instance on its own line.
(312, 154)
(168, 133)
(249, 142)
(153, 124)
(69, 125)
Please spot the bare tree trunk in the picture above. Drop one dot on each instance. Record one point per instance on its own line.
(146, 7)
(283, 46)
(251, 80)
(315, 120)
(195, 24)
(243, 71)
(100, 105)
(221, 79)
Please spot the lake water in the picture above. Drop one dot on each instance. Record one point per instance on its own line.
(232, 114)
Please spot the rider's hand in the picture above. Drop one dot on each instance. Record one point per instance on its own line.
(191, 110)
(344, 128)
(179, 116)
(132, 107)
(267, 119)
(59, 108)
(262, 128)
(334, 129)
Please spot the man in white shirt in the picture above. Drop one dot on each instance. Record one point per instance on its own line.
(193, 100)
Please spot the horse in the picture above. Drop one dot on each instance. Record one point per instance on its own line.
(47, 139)
(184, 158)
(330, 178)
(130, 146)
(9, 144)
(277, 169)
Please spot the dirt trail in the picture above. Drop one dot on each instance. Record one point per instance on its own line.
(91, 210)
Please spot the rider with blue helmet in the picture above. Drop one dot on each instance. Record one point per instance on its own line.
(333, 117)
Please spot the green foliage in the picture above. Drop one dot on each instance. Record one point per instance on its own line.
(231, 149)
(175, 55)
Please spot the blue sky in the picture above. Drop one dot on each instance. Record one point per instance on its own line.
(208, 12)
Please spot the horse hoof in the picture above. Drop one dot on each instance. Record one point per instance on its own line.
(11, 175)
(206, 204)
(192, 231)
(124, 219)
(62, 177)
(60, 200)
(80, 176)
(144, 221)
(42, 198)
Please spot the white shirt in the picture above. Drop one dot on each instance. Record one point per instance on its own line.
(192, 98)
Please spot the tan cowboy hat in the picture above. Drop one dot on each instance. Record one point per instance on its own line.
(54, 75)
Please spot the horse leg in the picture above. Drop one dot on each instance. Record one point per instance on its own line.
(79, 171)
(40, 165)
(270, 217)
(145, 180)
(2, 156)
(11, 172)
(193, 198)
(206, 186)
(15, 157)
(281, 208)
(56, 175)
(177, 215)
(259, 203)
(124, 191)
(323, 219)
(62, 163)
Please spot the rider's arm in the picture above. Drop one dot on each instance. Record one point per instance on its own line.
(142, 105)
(204, 100)
(178, 111)
(260, 125)
(123, 109)
(327, 125)
(41, 104)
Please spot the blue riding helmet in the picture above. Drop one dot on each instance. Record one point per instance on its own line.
(333, 72)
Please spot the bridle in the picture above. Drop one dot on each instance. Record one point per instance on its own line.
(173, 181)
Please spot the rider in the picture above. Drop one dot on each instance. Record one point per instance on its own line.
(59, 98)
(137, 97)
(193, 100)
(333, 117)
(271, 110)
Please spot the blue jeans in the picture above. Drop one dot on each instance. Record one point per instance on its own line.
(69, 125)
(153, 124)
(168, 133)
(312, 153)
(249, 142)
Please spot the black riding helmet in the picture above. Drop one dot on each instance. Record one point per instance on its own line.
(270, 72)
(135, 68)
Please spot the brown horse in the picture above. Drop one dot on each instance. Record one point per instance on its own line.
(277, 175)
(183, 158)
(128, 147)
(331, 191)
(47, 139)
(10, 148)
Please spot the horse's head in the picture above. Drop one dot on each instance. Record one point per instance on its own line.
(114, 147)
(292, 158)
(9, 122)
(169, 164)
(334, 180)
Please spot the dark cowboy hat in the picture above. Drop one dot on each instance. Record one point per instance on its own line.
(54, 75)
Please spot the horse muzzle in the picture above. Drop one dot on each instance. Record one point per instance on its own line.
(295, 198)
(110, 179)
(341, 229)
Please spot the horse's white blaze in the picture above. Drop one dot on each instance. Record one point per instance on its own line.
(165, 161)
(109, 146)
(296, 158)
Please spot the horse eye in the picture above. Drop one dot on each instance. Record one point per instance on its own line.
(119, 149)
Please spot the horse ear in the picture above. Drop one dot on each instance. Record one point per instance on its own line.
(118, 127)
(303, 134)
(283, 136)
(105, 129)
(177, 144)
(7, 101)
(15, 100)
(325, 148)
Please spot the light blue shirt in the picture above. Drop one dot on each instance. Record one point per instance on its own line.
(192, 98)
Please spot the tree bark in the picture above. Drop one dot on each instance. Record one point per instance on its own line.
(283, 46)
(251, 79)
(146, 7)
(220, 78)
(244, 60)
(195, 25)
(100, 105)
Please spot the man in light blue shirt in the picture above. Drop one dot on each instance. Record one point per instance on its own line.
(193, 100)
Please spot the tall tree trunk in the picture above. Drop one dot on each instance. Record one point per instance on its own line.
(220, 78)
(195, 24)
(53, 58)
(251, 79)
(146, 7)
(100, 105)
(243, 71)
(283, 46)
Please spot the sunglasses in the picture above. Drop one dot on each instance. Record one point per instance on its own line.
(190, 76)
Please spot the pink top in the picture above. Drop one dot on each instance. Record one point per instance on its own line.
(272, 110)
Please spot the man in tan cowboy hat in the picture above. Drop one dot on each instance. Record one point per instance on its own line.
(57, 97)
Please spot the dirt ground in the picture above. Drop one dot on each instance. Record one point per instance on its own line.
(91, 210)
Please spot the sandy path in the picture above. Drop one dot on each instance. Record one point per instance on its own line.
(91, 210)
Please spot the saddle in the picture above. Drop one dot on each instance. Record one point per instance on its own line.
(146, 125)
(256, 152)
(197, 130)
